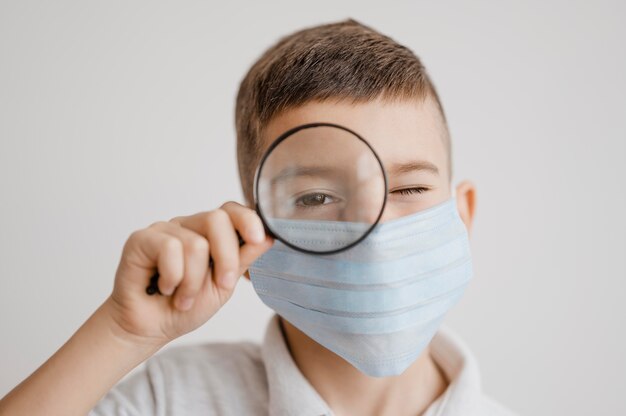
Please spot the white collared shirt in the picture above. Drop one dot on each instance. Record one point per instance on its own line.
(245, 378)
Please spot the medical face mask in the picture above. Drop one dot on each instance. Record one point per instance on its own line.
(377, 304)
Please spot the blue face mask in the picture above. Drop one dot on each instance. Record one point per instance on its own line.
(379, 303)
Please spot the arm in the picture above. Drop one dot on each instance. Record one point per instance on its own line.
(76, 377)
(130, 326)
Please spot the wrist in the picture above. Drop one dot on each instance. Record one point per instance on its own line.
(109, 315)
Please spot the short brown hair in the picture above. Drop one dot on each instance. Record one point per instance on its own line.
(342, 60)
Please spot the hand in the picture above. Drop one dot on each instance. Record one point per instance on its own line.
(180, 249)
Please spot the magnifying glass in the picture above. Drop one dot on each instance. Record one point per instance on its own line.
(320, 188)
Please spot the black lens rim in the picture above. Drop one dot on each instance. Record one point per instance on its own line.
(259, 169)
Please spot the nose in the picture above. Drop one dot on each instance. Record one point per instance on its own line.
(364, 207)
(365, 197)
(366, 211)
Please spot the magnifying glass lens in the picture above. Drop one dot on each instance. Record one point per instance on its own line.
(320, 189)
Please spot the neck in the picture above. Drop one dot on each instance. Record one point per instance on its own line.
(348, 391)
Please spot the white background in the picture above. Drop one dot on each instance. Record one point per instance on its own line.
(117, 114)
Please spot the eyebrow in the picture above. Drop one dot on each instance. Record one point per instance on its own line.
(413, 166)
(396, 169)
(291, 172)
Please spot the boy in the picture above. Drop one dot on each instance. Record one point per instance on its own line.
(344, 73)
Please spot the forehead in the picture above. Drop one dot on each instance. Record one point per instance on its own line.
(399, 131)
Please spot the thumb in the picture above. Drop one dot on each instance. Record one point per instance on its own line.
(248, 253)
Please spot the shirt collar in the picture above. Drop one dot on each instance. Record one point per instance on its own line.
(290, 393)
(453, 356)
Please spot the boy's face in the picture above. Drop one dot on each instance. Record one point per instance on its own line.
(407, 135)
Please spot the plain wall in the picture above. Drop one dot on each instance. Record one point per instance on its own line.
(117, 114)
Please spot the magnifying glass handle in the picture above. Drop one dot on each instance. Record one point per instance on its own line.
(153, 287)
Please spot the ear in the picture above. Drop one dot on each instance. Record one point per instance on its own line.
(466, 203)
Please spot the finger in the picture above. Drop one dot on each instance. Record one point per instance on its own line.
(157, 248)
(224, 249)
(248, 253)
(196, 261)
(246, 221)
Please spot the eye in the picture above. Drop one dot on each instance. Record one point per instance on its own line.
(410, 191)
(314, 199)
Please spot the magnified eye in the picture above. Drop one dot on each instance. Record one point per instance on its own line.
(314, 199)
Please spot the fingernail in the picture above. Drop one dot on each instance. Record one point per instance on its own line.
(229, 279)
(185, 303)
